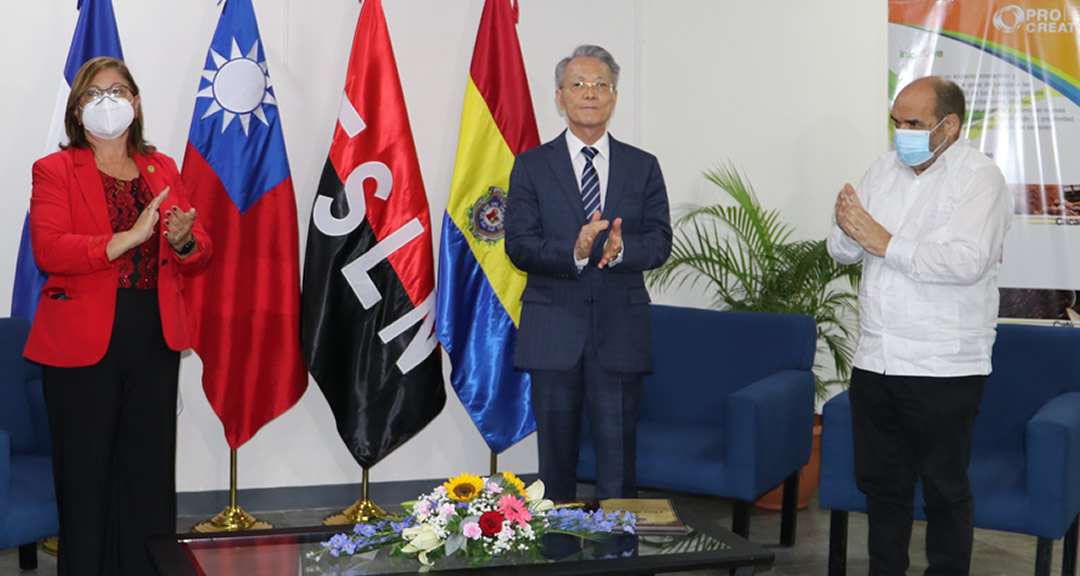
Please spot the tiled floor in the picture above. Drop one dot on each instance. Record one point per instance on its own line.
(995, 554)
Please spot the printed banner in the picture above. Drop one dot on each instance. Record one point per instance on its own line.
(1018, 63)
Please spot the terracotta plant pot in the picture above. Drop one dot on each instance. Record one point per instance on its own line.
(809, 476)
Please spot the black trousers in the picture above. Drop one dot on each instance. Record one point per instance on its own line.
(113, 430)
(612, 404)
(909, 427)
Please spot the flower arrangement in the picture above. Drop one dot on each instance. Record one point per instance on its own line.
(478, 518)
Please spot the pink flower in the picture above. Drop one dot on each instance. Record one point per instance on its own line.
(471, 531)
(446, 510)
(493, 488)
(514, 510)
(422, 508)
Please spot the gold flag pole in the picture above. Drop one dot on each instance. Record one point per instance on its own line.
(232, 518)
(361, 511)
(494, 463)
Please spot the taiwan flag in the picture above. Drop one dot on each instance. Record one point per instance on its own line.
(369, 279)
(245, 310)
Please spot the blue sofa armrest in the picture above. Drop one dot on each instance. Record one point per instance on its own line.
(837, 490)
(1053, 464)
(769, 428)
(5, 475)
(35, 396)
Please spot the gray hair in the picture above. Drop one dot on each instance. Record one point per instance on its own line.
(590, 51)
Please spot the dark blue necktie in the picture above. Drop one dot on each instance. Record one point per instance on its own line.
(590, 183)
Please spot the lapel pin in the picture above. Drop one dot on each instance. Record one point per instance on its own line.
(150, 168)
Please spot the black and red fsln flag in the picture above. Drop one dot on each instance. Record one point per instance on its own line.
(369, 283)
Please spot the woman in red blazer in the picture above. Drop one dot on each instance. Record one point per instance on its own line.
(111, 225)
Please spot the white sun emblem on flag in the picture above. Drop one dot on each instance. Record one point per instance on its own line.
(239, 85)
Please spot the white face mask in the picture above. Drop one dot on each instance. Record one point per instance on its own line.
(108, 118)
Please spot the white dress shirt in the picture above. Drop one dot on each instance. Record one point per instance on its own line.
(930, 306)
(601, 162)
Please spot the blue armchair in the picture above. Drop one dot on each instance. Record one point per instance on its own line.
(27, 498)
(1025, 464)
(728, 409)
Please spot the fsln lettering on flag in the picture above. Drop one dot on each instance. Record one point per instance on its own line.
(369, 282)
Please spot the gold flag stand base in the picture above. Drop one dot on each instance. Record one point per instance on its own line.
(362, 511)
(51, 545)
(232, 518)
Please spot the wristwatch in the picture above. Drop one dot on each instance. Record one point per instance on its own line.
(186, 248)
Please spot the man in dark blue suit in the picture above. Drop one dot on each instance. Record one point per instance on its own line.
(586, 215)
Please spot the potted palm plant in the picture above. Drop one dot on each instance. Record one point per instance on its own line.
(745, 257)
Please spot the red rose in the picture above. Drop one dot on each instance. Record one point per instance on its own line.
(491, 523)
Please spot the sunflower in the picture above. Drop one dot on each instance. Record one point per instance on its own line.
(514, 481)
(464, 487)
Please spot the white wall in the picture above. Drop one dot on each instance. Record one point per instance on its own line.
(793, 92)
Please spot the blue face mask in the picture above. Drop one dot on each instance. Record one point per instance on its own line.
(913, 146)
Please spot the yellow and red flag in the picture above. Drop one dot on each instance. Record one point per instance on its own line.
(479, 290)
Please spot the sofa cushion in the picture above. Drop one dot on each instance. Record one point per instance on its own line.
(683, 458)
(16, 418)
(33, 514)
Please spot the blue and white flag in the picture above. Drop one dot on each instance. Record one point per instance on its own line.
(95, 35)
(244, 312)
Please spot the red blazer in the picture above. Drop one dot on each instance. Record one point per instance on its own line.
(69, 229)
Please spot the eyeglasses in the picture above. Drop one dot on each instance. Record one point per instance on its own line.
(579, 87)
(115, 91)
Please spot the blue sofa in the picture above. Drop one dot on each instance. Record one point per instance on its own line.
(728, 409)
(1025, 465)
(27, 498)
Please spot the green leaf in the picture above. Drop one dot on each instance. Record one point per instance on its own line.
(454, 542)
(744, 256)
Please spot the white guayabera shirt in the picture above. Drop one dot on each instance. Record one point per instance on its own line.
(930, 306)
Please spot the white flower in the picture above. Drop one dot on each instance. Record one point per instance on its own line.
(422, 539)
(534, 498)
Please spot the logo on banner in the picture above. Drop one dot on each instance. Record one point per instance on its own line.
(1034, 20)
(1009, 18)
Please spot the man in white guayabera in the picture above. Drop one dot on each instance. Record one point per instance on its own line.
(928, 221)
